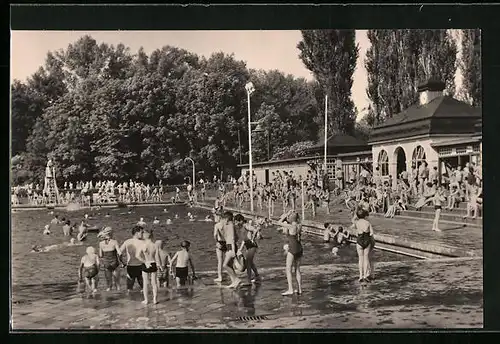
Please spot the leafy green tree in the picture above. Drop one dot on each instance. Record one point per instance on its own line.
(399, 60)
(470, 66)
(331, 56)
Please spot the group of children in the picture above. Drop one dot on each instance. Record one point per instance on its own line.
(146, 260)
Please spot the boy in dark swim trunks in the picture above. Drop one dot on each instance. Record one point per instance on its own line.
(89, 268)
(182, 261)
(163, 279)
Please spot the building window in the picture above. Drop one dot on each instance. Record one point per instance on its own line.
(476, 148)
(461, 150)
(383, 163)
(445, 151)
(418, 156)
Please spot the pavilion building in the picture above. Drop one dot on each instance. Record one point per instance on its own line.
(440, 130)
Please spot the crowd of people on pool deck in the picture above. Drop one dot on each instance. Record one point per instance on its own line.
(414, 189)
(108, 191)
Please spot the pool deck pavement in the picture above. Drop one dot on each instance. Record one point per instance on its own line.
(416, 294)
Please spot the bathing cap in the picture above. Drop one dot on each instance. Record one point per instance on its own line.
(286, 247)
(105, 232)
(185, 243)
(335, 250)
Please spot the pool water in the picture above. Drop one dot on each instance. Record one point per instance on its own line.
(61, 265)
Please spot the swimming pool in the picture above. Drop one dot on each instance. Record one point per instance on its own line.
(61, 265)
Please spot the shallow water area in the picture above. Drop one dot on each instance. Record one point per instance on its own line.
(61, 264)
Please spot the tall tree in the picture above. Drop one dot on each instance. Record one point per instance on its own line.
(399, 60)
(331, 56)
(470, 66)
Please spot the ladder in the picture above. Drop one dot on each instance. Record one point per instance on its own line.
(51, 190)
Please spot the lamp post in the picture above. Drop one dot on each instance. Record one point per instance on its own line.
(194, 172)
(250, 89)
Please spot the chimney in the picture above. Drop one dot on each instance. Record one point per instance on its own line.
(430, 90)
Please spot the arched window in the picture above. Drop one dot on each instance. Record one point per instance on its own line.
(418, 156)
(383, 163)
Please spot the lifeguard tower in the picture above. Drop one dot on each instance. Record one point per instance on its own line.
(50, 187)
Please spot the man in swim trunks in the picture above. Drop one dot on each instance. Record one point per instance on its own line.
(134, 265)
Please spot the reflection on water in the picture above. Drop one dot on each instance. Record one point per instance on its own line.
(61, 265)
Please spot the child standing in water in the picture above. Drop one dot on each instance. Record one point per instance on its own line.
(89, 268)
(182, 259)
(164, 264)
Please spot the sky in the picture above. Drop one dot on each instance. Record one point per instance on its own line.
(261, 49)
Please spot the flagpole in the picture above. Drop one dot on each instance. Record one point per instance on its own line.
(326, 132)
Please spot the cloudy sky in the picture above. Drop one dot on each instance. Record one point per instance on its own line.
(260, 49)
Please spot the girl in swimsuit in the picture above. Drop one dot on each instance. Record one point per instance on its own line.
(364, 244)
(292, 228)
(149, 255)
(438, 200)
(109, 251)
(250, 244)
(89, 268)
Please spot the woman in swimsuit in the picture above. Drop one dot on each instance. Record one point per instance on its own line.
(149, 255)
(292, 228)
(220, 245)
(364, 244)
(109, 252)
(252, 234)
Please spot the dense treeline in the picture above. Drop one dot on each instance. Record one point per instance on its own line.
(102, 112)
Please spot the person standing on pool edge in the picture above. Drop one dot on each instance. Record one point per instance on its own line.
(231, 239)
(134, 265)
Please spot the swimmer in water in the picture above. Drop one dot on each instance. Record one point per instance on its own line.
(327, 232)
(176, 216)
(67, 228)
(82, 231)
(169, 222)
(156, 221)
(182, 260)
(107, 215)
(55, 220)
(141, 222)
(89, 269)
(46, 230)
(165, 210)
(208, 219)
